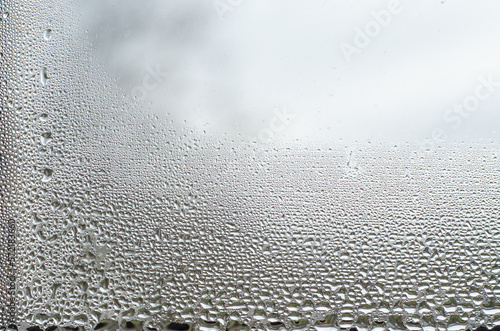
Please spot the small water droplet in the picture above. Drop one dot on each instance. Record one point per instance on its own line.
(47, 175)
(43, 76)
(47, 34)
(46, 138)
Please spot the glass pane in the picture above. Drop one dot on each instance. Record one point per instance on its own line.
(230, 164)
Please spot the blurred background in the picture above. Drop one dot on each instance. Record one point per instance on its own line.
(321, 69)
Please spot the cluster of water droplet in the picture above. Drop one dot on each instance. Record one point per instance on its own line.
(127, 220)
(9, 152)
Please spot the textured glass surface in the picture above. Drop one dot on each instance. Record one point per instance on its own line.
(226, 164)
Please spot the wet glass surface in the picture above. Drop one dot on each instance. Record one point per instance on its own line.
(231, 164)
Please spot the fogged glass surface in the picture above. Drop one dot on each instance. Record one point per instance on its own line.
(225, 164)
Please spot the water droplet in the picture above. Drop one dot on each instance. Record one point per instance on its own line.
(47, 35)
(43, 76)
(47, 175)
(46, 138)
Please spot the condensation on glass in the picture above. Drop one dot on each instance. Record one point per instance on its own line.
(235, 164)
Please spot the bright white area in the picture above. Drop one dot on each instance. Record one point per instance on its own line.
(232, 64)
